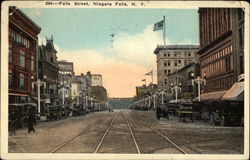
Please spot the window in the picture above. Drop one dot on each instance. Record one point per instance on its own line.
(10, 79)
(189, 53)
(175, 62)
(165, 71)
(21, 82)
(165, 64)
(169, 71)
(22, 59)
(175, 53)
(165, 55)
(10, 54)
(18, 38)
(179, 53)
(32, 66)
(169, 63)
(179, 62)
(168, 54)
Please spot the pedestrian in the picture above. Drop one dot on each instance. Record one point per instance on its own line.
(158, 113)
(12, 123)
(31, 122)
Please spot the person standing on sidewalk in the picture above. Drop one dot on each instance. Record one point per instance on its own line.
(31, 122)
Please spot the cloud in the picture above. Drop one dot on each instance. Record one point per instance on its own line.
(122, 67)
(137, 48)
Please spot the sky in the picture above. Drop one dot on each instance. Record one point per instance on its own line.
(83, 36)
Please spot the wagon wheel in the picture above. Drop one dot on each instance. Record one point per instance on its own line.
(222, 121)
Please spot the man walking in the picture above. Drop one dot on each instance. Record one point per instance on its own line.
(31, 122)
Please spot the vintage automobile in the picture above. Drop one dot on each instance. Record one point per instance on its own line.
(56, 112)
(185, 110)
(21, 111)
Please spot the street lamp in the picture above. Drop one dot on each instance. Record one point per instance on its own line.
(199, 81)
(176, 88)
(39, 83)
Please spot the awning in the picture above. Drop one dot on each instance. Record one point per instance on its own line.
(235, 93)
(211, 96)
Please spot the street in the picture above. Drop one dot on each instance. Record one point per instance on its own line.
(127, 131)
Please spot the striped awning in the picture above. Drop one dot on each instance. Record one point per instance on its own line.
(235, 93)
(211, 96)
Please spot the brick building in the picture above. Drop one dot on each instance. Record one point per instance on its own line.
(23, 45)
(221, 49)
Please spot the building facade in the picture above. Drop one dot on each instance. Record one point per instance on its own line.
(183, 79)
(66, 75)
(96, 80)
(172, 58)
(48, 73)
(221, 48)
(23, 43)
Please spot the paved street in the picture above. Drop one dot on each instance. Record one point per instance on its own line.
(197, 137)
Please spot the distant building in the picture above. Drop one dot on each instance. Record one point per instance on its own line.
(48, 73)
(23, 43)
(171, 58)
(99, 93)
(66, 67)
(183, 79)
(144, 91)
(96, 80)
(66, 75)
(75, 91)
(221, 49)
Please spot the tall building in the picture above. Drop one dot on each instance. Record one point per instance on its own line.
(221, 49)
(48, 73)
(23, 43)
(66, 75)
(96, 80)
(171, 58)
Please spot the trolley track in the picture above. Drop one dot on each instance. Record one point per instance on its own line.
(140, 122)
(123, 129)
(67, 141)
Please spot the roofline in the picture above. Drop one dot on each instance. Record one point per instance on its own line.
(26, 17)
(187, 46)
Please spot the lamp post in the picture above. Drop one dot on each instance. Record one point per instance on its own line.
(39, 83)
(199, 81)
(176, 88)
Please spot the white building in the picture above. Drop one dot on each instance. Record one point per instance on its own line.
(96, 80)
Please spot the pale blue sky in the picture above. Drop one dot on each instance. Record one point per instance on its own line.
(82, 36)
(91, 28)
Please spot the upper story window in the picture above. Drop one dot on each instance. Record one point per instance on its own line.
(189, 54)
(32, 66)
(175, 53)
(179, 53)
(10, 79)
(10, 54)
(21, 82)
(22, 59)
